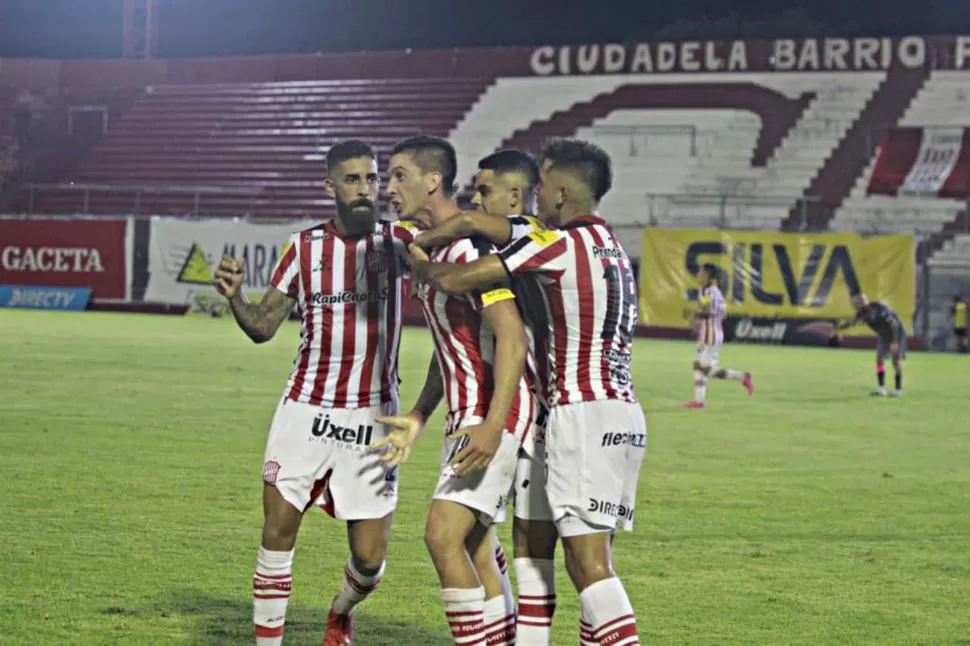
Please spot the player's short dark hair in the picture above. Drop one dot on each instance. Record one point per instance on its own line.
(348, 149)
(432, 155)
(588, 161)
(709, 269)
(512, 160)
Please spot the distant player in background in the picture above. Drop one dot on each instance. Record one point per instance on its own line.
(958, 316)
(505, 191)
(481, 345)
(347, 278)
(885, 322)
(709, 321)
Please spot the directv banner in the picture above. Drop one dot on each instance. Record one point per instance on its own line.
(44, 298)
(183, 253)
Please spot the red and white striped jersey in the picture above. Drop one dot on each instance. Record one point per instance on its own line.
(710, 330)
(465, 346)
(531, 301)
(590, 295)
(349, 291)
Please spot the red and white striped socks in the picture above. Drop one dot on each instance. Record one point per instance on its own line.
(500, 611)
(607, 612)
(355, 588)
(537, 600)
(465, 610)
(272, 584)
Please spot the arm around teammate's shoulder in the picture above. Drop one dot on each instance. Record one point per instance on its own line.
(496, 229)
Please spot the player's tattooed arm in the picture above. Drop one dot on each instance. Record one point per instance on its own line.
(458, 278)
(432, 392)
(261, 320)
(496, 229)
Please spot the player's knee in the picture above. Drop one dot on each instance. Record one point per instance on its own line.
(587, 559)
(442, 538)
(279, 534)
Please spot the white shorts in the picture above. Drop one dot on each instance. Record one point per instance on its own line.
(486, 491)
(528, 492)
(594, 453)
(322, 456)
(707, 355)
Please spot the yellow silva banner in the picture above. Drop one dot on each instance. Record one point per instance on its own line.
(774, 274)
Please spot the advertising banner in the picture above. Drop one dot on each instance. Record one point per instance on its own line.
(72, 299)
(66, 253)
(183, 253)
(929, 162)
(786, 277)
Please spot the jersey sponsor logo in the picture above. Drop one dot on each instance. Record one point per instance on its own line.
(324, 428)
(348, 297)
(608, 252)
(607, 508)
(636, 440)
(617, 356)
(497, 296)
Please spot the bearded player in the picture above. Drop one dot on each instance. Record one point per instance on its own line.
(481, 346)
(346, 277)
(709, 321)
(505, 190)
(885, 322)
(596, 431)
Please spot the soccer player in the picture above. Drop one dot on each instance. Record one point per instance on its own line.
(958, 316)
(346, 276)
(481, 345)
(885, 322)
(709, 318)
(504, 192)
(596, 430)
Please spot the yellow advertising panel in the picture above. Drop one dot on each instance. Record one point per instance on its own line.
(774, 274)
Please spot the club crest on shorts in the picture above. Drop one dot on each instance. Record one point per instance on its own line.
(271, 469)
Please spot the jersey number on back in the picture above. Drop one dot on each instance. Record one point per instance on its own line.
(621, 306)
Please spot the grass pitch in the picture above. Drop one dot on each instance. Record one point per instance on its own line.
(131, 451)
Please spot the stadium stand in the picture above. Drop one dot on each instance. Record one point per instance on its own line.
(260, 146)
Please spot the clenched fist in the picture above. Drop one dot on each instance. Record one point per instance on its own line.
(228, 277)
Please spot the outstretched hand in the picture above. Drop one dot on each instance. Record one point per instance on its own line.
(405, 429)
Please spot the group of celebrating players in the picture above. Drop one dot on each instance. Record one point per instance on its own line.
(532, 306)
(532, 319)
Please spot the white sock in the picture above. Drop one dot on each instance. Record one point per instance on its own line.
(272, 584)
(465, 610)
(731, 375)
(355, 588)
(537, 600)
(503, 567)
(700, 386)
(499, 623)
(607, 609)
(585, 631)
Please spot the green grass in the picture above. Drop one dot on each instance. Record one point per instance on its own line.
(131, 451)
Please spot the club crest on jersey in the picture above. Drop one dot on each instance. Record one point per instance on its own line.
(323, 265)
(375, 261)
